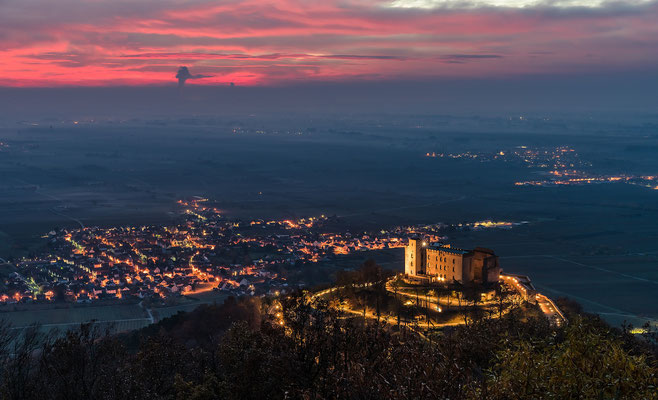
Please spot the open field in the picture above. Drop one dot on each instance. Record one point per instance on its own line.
(61, 317)
(189, 304)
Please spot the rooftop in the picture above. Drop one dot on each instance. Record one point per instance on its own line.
(447, 249)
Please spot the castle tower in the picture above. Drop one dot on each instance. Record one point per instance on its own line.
(413, 257)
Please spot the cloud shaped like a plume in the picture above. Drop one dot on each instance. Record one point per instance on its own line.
(184, 74)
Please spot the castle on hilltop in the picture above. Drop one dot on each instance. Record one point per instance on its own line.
(440, 262)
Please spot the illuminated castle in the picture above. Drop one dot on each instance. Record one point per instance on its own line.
(439, 262)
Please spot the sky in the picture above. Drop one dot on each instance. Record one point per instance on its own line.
(110, 43)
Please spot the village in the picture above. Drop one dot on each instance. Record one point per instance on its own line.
(560, 166)
(205, 252)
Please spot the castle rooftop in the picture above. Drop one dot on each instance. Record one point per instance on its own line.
(447, 248)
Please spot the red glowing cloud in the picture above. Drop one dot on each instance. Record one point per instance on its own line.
(144, 42)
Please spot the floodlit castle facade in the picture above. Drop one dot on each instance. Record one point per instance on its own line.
(440, 262)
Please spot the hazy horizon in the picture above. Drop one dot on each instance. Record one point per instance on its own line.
(630, 95)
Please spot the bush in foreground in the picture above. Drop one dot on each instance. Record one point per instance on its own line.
(318, 354)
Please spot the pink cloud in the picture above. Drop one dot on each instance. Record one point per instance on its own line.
(254, 42)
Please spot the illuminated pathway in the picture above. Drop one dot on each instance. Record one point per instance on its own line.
(519, 284)
(550, 310)
(524, 287)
